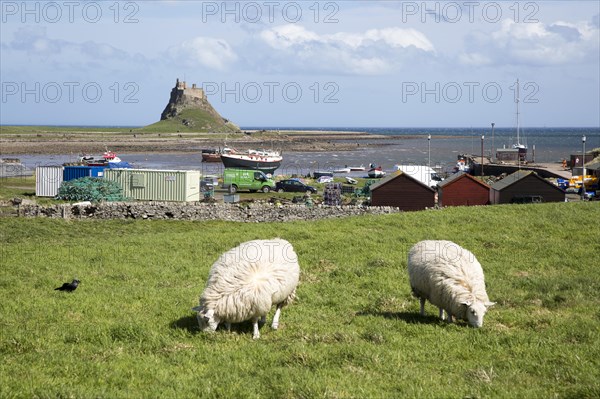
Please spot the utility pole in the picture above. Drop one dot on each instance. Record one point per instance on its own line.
(482, 137)
(492, 153)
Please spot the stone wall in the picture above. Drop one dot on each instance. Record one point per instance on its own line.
(255, 212)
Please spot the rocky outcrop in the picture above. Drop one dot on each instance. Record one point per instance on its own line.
(253, 213)
(190, 107)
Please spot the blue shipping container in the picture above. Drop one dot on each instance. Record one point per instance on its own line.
(76, 172)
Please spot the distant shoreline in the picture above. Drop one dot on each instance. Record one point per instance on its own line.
(55, 140)
(59, 140)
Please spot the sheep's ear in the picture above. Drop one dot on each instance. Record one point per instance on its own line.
(488, 304)
(467, 303)
(196, 308)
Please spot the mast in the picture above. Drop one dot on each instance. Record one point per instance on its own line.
(518, 126)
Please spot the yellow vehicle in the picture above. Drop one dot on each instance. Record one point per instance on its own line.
(590, 182)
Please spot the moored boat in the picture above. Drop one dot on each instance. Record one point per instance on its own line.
(376, 172)
(103, 160)
(320, 173)
(518, 150)
(360, 168)
(263, 160)
(342, 170)
(211, 155)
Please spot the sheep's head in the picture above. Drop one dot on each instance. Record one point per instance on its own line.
(207, 321)
(475, 312)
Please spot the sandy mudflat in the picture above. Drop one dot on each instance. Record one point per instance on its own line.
(94, 142)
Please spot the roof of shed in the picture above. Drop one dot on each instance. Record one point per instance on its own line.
(458, 176)
(394, 176)
(515, 177)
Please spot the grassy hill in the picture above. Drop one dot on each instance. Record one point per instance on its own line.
(354, 331)
(197, 119)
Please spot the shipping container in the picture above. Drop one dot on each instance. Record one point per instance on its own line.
(76, 172)
(157, 185)
(48, 180)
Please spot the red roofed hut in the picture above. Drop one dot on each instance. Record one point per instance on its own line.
(402, 191)
(462, 189)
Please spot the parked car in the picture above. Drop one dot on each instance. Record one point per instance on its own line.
(292, 185)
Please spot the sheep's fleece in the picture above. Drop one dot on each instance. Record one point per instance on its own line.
(246, 281)
(451, 278)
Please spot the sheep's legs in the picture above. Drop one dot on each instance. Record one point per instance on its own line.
(262, 321)
(422, 306)
(228, 327)
(256, 334)
(448, 317)
(275, 323)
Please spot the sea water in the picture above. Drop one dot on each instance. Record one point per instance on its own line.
(413, 147)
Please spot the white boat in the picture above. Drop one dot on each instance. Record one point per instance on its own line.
(360, 168)
(518, 145)
(263, 160)
(376, 172)
(105, 159)
(518, 150)
(342, 170)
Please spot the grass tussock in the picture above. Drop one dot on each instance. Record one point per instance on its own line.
(354, 331)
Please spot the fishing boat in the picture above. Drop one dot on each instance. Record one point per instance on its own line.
(376, 172)
(211, 155)
(266, 161)
(463, 164)
(103, 160)
(320, 173)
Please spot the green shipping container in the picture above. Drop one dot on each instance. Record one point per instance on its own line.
(157, 185)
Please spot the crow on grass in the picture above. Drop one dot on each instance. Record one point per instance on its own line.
(69, 287)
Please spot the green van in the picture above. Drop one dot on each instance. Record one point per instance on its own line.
(247, 179)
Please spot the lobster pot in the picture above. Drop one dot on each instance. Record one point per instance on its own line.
(77, 172)
(332, 195)
(48, 180)
(157, 185)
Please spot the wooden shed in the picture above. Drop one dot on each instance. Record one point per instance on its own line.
(402, 191)
(462, 189)
(525, 187)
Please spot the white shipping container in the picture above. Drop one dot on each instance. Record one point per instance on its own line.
(48, 180)
(157, 185)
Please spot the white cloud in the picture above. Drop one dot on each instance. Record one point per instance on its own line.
(373, 51)
(209, 52)
(558, 43)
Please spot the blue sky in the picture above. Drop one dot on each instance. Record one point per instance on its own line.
(321, 64)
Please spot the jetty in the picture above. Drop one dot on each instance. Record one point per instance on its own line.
(545, 170)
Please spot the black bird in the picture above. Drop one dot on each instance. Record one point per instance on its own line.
(69, 287)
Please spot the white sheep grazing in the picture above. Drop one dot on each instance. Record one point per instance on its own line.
(451, 278)
(246, 281)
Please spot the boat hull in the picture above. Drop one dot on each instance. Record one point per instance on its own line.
(211, 157)
(245, 163)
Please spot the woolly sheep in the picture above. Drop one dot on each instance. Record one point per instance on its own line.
(451, 278)
(246, 281)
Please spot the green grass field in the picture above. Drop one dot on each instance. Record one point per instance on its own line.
(354, 332)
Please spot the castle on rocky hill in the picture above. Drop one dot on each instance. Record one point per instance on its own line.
(183, 97)
(195, 92)
(190, 107)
